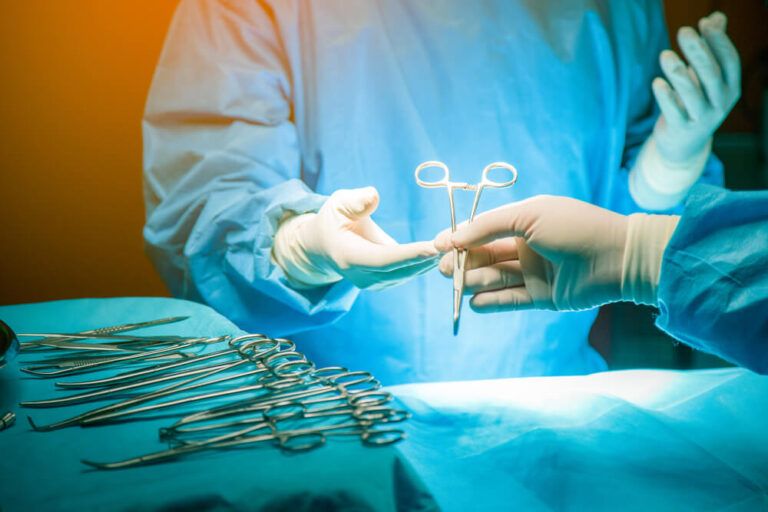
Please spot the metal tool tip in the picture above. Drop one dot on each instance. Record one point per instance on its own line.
(8, 420)
(32, 423)
(95, 465)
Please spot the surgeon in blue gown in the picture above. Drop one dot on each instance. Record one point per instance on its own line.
(706, 270)
(281, 137)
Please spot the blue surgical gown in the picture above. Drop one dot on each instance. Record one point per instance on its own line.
(262, 108)
(713, 289)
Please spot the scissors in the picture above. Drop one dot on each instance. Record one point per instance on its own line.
(459, 256)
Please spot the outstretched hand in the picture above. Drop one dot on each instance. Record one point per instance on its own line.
(546, 252)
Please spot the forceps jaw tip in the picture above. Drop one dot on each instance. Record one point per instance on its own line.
(31, 371)
(40, 428)
(100, 465)
(457, 297)
(52, 426)
(33, 424)
(114, 465)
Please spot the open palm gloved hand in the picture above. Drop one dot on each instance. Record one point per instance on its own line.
(558, 253)
(341, 241)
(694, 99)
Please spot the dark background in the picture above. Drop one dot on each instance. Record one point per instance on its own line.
(625, 333)
(75, 75)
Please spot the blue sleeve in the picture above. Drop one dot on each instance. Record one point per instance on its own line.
(650, 38)
(222, 166)
(713, 291)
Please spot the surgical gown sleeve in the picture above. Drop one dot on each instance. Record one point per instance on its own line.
(713, 289)
(222, 168)
(650, 38)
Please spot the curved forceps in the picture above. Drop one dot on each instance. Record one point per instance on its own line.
(460, 256)
(362, 422)
(256, 346)
(358, 389)
(242, 345)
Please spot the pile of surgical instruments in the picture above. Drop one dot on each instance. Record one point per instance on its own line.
(221, 392)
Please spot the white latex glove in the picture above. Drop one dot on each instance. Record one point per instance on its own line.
(694, 100)
(558, 253)
(342, 242)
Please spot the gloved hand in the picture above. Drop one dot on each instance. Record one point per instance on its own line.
(694, 100)
(558, 253)
(342, 242)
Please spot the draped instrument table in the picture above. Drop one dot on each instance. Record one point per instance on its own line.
(42, 470)
(630, 440)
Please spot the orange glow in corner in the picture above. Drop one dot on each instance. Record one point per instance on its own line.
(75, 75)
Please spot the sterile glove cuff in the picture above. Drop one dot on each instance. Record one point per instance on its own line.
(658, 184)
(647, 238)
(289, 253)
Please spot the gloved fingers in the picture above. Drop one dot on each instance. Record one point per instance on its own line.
(446, 264)
(505, 221)
(499, 276)
(443, 241)
(669, 102)
(503, 249)
(713, 29)
(354, 204)
(377, 280)
(367, 255)
(369, 230)
(509, 299)
(690, 93)
(705, 65)
(406, 268)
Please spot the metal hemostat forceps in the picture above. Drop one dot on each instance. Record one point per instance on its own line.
(257, 390)
(77, 352)
(459, 256)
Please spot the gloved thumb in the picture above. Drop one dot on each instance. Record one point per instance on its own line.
(356, 203)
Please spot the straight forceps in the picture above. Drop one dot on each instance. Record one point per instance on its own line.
(145, 374)
(298, 440)
(339, 387)
(358, 421)
(132, 357)
(252, 347)
(459, 256)
(96, 333)
(344, 417)
(322, 405)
